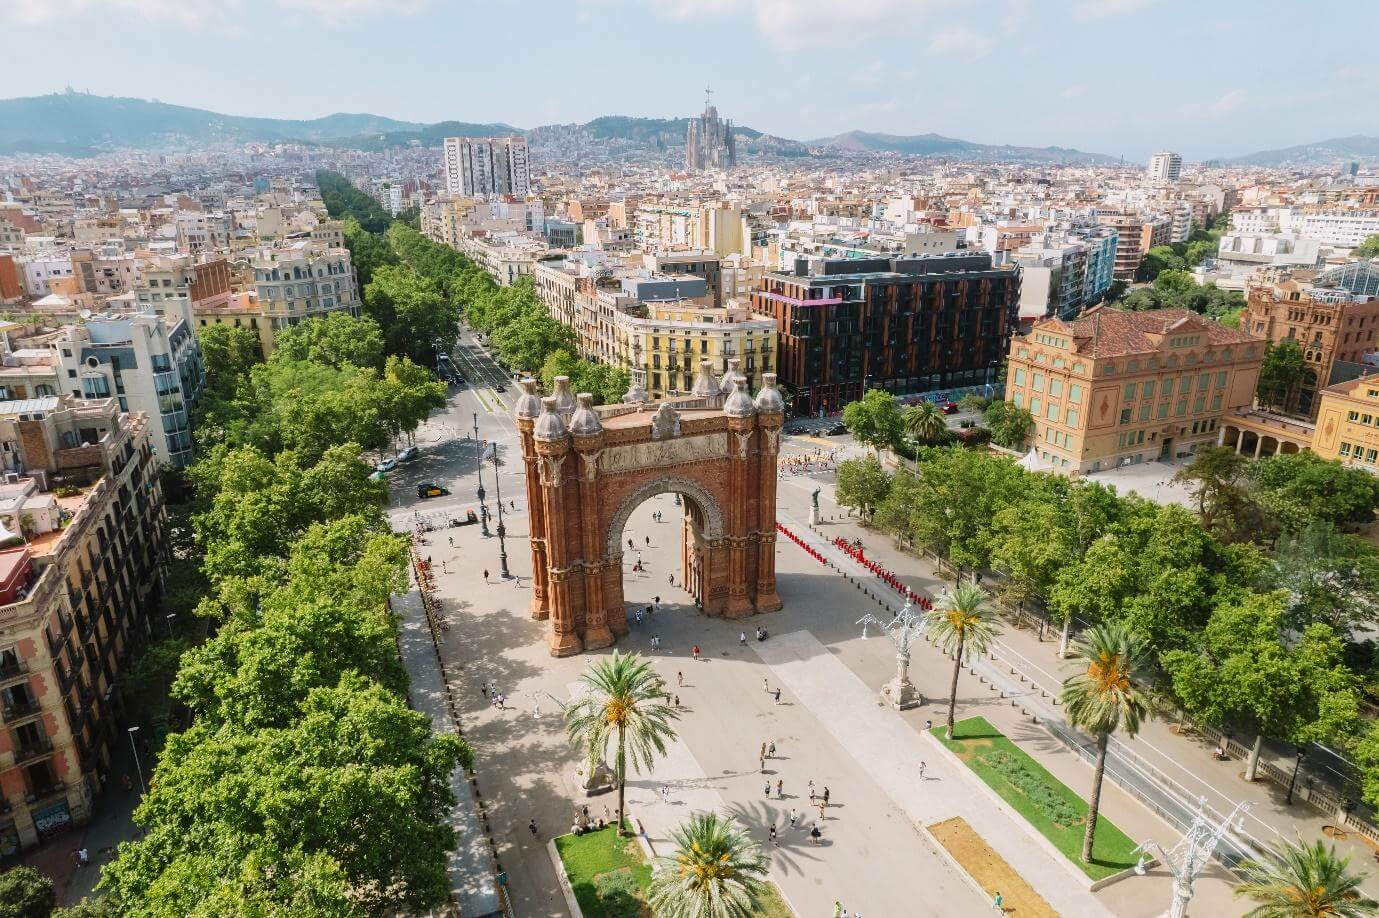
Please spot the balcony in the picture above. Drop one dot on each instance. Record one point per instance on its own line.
(12, 668)
(30, 751)
(41, 794)
(19, 710)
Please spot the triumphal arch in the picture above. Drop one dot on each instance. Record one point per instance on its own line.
(587, 469)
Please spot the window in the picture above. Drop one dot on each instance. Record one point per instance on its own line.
(1184, 385)
(1221, 379)
(1125, 415)
(1148, 389)
(1020, 376)
(1216, 402)
(1017, 398)
(1129, 392)
(1038, 383)
(1202, 381)
(1345, 449)
(1075, 394)
(1055, 387)
(1181, 409)
(1353, 416)
(1144, 411)
(1199, 404)
(1036, 406)
(1052, 413)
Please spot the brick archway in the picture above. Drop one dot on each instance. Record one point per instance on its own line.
(588, 468)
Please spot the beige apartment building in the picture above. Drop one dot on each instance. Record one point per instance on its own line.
(1115, 388)
(304, 280)
(81, 524)
(1348, 424)
(666, 346)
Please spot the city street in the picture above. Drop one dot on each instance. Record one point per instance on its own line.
(828, 727)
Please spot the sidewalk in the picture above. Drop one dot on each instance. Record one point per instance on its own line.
(472, 880)
(1183, 765)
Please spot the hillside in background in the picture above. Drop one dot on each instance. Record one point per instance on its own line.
(938, 145)
(1334, 152)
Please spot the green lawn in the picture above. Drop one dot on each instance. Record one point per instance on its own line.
(610, 877)
(1044, 801)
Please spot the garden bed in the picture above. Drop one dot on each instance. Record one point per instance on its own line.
(610, 877)
(1045, 802)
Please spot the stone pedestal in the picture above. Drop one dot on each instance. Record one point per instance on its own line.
(596, 780)
(813, 516)
(901, 694)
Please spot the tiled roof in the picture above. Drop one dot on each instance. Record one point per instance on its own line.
(1117, 332)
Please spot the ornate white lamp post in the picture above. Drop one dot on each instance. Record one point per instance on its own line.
(899, 693)
(1190, 856)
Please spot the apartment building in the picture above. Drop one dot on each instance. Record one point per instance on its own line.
(485, 166)
(81, 507)
(1348, 423)
(902, 324)
(1165, 167)
(302, 280)
(1135, 235)
(1329, 322)
(666, 346)
(507, 257)
(1117, 388)
(199, 232)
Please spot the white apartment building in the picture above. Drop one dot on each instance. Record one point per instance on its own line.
(506, 257)
(1165, 167)
(40, 270)
(484, 166)
(1339, 228)
(302, 280)
(198, 231)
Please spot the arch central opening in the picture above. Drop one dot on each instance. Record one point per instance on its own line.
(663, 536)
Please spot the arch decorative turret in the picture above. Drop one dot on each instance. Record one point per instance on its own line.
(588, 468)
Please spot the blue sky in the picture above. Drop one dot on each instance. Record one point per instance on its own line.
(1123, 77)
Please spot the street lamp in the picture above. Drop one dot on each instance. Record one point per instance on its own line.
(479, 464)
(1189, 857)
(1293, 781)
(137, 767)
(900, 692)
(502, 531)
(170, 616)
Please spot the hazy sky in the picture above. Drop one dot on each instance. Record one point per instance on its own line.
(1123, 77)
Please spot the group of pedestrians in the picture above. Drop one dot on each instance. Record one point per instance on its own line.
(795, 817)
(804, 463)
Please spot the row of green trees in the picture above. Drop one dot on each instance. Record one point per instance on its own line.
(306, 785)
(1183, 256)
(1176, 289)
(879, 420)
(343, 199)
(1248, 611)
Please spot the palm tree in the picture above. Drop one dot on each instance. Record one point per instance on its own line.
(1101, 697)
(1304, 881)
(624, 703)
(717, 871)
(962, 621)
(926, 423)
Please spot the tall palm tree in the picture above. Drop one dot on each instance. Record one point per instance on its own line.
(1101, 697)
(717, 871)
(925, 422)
(624, 703)
(962, 621)
(1304, 881)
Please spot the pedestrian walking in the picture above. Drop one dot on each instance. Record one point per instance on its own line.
(532, 827)
(777, 695)
(639, 616)
(630, 544)
(763, 750)
(837, 909)
(680, 679)
(607, 816)
(536, 708)
(512, 505)
(811, 790)
(665, 794)
(649, 610)
(771, 751)
(677, 702)
(999, 903)
(671, 579)
(821, 811)
(742, 638)
(815, 835)
(761, 765)
(780, 788)
(483, 687)
(648, 541)
(793, 816)
(921, 771)
(826, 795)
(766, 686)
(768, 788)
(774, 840)
(694, 651)
(485, 575)
(452, 541)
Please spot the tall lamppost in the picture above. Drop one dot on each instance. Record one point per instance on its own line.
(479, 465)
(502, 531)
(900, 692)
(1297, 766)
(1190, 856)
(143, 790)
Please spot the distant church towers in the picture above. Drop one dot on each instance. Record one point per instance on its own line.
(709, 144)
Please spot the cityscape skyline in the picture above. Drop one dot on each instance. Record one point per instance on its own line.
(1010, 73)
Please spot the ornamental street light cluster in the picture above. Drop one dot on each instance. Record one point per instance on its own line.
(903, 629)
(1190, 856)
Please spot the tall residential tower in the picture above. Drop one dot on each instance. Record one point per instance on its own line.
(487, 166)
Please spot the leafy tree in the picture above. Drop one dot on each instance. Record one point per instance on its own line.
(368, 251)
(962, 623)
(1010, 426)
(623, 705)
(336, 339)
(1215, 477)
(228, 354)
(897, 508)
(1281, 372)
(357, 790)
(862, 483)
(1092, 588)
(1248, 675)
(26, 893)
(606, 383)
(409, 394)
(89, 907)
(1174, 283)
(1101, 697)
(1142, 299)
(343, 199)
(956, 495)
(1157, 260)
(875, 420)
(1304, 880)
(412, 311)
(1031, 540)
(974, 402)
(1367, 249)
(1328, 576)
(1298, 489)
(1116, 290)
(717, 871)
(926, 424)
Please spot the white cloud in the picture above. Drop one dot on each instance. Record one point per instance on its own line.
(1075, 91)
(1105, 9)
(959, 40)
(198, 12)
(1227, 102)
(1017, 14)
(795, 24)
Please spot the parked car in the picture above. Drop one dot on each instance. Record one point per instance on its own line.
(409, 453)
(950, 408)
(387, 465)
(837, 430)
(427, 489)
(500, 388)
